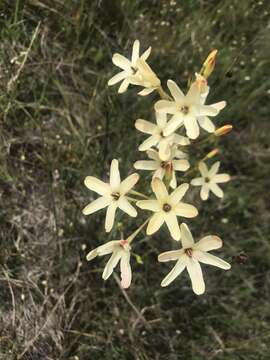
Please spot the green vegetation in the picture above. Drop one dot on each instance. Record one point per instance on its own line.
(60, 122)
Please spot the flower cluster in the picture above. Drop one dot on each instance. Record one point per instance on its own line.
(179, 121)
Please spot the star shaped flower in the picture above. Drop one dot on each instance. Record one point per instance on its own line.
(113, 195)
(186, 109)
(167, 207)
(209, 180)
(129, 67)
(157, 137)
(190, 257)
(163, 168)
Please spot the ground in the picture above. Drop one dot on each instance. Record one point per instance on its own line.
(60, 122)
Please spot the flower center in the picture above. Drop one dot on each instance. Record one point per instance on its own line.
(115, 195)
(207, 179)
(188, 252)
(167, 207)
(184, 109)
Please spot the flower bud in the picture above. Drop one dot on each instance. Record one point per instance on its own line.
(211, 154)
(223, 130)
(209, 64)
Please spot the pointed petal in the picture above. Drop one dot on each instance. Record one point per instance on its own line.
(155, 223)
(216, 190)
(146, 54)
(179, 193)
(125, 269)
(159, 189)
(96, 205)
(111, 264)
(149, 142)
(214, 169)
(173, 182)
(97, 185)
(176, 92)
(206, 124)
(146, 126)
(164, 149)
(180, 165)
(191, 126)
(118, 77)
(208, 243)
(135, 52)
(219, 105)
(153, 154)
(114, 175)
(193, 95)
(161, 119)
(146, 91)
(91, 255)
(221, 178)
(204, 193)
(180, 140)
(176, 271)
(110, 215)
(210, 259)
(121, 61)
(197, 181)
(146, 165)
(186, 237)
(152, 205)
(128, 183)
(175, 122)
(203, 169)
(123, 87)
(107, 248)
(196, 276)
(170, 255)
(185, 210)
(166, 106)
(172, 223)
(125, 206)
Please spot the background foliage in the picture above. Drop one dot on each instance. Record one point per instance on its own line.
(60, 122)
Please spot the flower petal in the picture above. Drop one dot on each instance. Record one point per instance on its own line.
(125, 269)
(146, 165)
(107, 248)
(180, 140)
(146, 126)
(221, 178)
(178, 193)
(204, 193)
(166, 106)
(186, 237)
(146, 54)
(191, 126)
(206, 124)
(206, 110)
(175, 122)
(180, 165)
(125, 206)
(208, 243)
(196, 276)
(216, 190)
(203, 169)
(96, 205)
(153, 154)
(121, 61)
(176, 92)
(185, 210)
(172, 223)
(128, 183)
(152, 205)
(146, 91)
(111, 264)
(149, 142)
(123, 87)
(118, 77)
(91, 255)
(155, 223)
(170, 255)
(114, 175)
(110, 215)
(173, 182)
(197, 181)
(164, 149)
(161, 119)
(97, 185)
(193, 95)
(159, 189)
(214, 169)
(219, 106)
(210, 259)
(135, 52)
(176, 271)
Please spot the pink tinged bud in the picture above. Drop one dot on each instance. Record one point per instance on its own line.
(209, 64)
(223, 130)
(212, 153)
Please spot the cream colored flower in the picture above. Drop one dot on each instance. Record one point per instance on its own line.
(157, 138)
(209, 180)
(120, 250)
(112, 194)
(167, 207)
(190, 257)
(187, 110)
(163, 168)
(129, 67)
(145, 77)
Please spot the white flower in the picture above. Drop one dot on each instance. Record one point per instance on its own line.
(145, 77)
(157, 137)
(209, 180)
(187, 109)
(162, 167)
(112, 194)
(120, 250)
(129, 67)
(167, 207)
(190, 256)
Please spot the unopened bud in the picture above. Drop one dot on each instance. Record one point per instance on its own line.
(223, 130)
(209, 64)
(212, 154)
